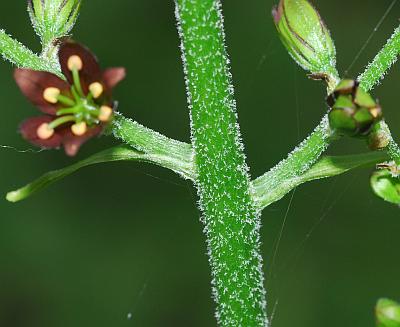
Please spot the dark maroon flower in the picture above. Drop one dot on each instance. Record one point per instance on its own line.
(76, 109)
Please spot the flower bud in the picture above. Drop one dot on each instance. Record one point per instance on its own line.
(306, 37)
(388, 313)
(353, 111)
(53, 19)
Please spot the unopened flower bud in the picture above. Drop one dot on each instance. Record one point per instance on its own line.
(306, 37)
(353, 111)
(53, 19)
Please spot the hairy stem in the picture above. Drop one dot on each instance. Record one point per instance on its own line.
(394, 151)
(272, 186)
(170, 153)
(376, 71)
(231, 221)
(382, 62)
(21, 56)
(393, 148)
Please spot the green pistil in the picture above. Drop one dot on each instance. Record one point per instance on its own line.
(90, 96)
(77, 82)
(65, 100)
(78, 108)
(94, 112)
(62, 120)
(82, 111)
(72, 110)
(90, 108)
(75, 94)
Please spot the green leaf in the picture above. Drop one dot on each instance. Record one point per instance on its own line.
(330, 166)
(388, 313)
(267, 191)
(119, 153)
(386, 186)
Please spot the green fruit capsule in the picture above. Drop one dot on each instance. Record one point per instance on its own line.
(353, 111)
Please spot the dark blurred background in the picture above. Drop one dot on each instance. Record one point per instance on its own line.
(123, 240)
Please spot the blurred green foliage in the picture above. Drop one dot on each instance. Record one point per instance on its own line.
(124, 238)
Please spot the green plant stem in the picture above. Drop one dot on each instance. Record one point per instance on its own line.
(393, 148)
(382, 62)
(277, 182)
(394, 151)
(376, 71)
(169, 153)
(21, 56)
(232, 223)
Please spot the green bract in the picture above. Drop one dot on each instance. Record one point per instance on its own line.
(386, 186)
(53, 19)
(353, 111)
(306, 37)
(388, 313)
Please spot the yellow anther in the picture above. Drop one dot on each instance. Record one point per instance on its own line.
(75, 62)
(50, 94)
(105, 113)
(375, 112)
(79, 129)
(96, 89)
(44, 131)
